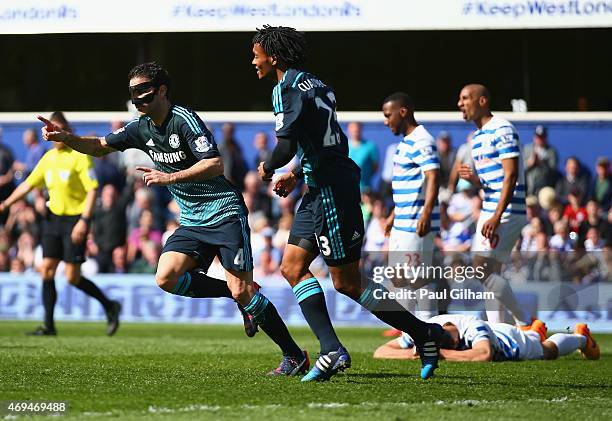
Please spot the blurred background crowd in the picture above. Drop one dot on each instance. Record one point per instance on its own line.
(567, 233)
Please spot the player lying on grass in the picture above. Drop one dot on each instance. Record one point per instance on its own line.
(469, 339)
(214, 218)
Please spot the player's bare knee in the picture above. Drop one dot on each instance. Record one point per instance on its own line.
(239, 290)
(291, 272)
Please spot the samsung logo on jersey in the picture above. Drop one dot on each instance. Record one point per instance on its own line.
(308, 84)
(168, 158)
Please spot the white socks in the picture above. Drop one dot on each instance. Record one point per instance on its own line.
(568, 342)
(426, 307)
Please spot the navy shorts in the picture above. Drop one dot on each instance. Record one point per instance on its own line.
(331, 218)
(56, 239)
(229, 240)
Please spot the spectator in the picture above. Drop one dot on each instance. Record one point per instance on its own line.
(376, 239)
(529, 234)
(25, 246)
(457, 236)
(35, 151)
(259, 229)
(463, 156)
(447, 155)
(142, 234)
(593, 240)
(254, 193)
(262, 152)
(22, 218)
(573, 213)
(555, 214)
(364, 153)
(7, 184)
(147, 263)
(593, 220)
(267, 264)
(110, 224)
(541, 161)
(575, 178)
(5, 240)
(144, 199)
(17, 266)
(282, 234)
(120, 264)
(602, 187)
(540, 265)
(561, 241)
(269, 257)
(608, 229)
(234, 165)
(171, 225)
(5, 261)
(460, 204)
(108, 172)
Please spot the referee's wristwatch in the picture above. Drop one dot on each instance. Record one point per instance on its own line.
(86, 220)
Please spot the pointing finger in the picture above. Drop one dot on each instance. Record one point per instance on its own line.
(50, 125)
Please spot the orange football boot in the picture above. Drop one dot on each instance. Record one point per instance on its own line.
(591, 349)
(537, 326)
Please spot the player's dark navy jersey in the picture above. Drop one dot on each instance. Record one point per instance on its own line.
(305, 110)
(181, 141)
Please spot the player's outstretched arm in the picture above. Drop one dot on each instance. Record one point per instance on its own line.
(203, 170)
(393, 351)
(480, 351)
(89, 145)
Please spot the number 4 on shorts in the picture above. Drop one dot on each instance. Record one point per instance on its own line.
(239, 259)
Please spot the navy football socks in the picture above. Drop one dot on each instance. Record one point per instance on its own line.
(197, 284)
(311, 299)
(266, 316)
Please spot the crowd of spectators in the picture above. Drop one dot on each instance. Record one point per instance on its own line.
(567, 211)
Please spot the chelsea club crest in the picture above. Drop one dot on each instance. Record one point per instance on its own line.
(174, 141)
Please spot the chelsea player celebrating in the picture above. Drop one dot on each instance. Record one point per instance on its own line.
(213, 214)
(329, 219)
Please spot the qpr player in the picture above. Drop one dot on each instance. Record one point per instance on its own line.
(499, 172)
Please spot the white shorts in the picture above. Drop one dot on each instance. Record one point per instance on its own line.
(409, 248)
(504, 240)
(516, 344)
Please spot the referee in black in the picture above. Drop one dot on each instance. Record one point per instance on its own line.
(69, 178)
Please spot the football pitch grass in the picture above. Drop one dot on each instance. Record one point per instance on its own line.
(184, 372)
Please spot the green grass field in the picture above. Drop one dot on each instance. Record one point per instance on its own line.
(182, 372)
